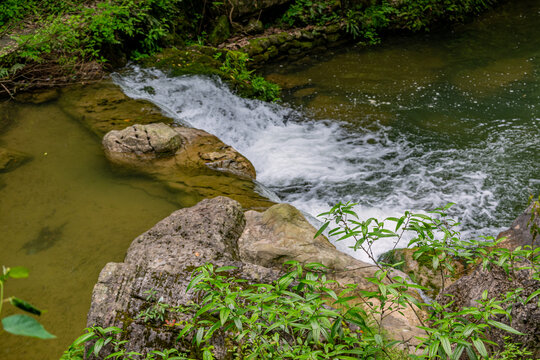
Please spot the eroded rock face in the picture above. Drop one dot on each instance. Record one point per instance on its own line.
(519, 233)
(216, 231)
(159, 149)
(162, 260)
(525, 318)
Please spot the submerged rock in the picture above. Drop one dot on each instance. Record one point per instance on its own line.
(12, 159)
(159, 149)
(494, 76)
(103, 107)
(38, 96)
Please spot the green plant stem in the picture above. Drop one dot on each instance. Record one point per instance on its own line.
(1, 295)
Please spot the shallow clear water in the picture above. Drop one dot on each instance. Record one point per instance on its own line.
(64, 215)
(410, 125)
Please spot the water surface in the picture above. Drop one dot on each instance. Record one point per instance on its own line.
(64, 215)
(410, 125)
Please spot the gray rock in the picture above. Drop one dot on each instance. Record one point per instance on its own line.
(162, 260)
(519, 233)
(216, 231)
(164, 151)
(466, 291)
(155, 140)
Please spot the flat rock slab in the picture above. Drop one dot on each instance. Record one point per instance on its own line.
(103, 107)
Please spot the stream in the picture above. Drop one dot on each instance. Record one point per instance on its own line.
(412, 124)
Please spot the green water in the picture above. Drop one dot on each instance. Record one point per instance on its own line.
(438, 118)
(64, 215)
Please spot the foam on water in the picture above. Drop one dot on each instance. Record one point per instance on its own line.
(313, 164)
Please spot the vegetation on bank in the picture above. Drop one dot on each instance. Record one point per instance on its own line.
(304, 315)
(51, 42)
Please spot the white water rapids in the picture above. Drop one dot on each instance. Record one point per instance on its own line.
(313, 164)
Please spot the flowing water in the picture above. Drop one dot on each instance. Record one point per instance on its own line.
(413, 124)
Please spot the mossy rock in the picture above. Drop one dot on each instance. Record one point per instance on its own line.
(194, 60)
(221, 31)
(103, 107)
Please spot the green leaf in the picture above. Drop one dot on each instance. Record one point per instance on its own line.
(18, 272)
(23, 305)
(479, 345)
(533, 295)
(224, 314)
(26, 326)
(320, 231)
(504, 327)
(226, 268)
(199, 336)
(378, 339)
(435, 261)
(446, 345)
(195, 281)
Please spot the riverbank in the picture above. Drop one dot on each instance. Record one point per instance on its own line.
(53, 44)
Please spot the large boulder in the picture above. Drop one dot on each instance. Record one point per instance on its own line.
(282, 233)
(161, 149)
(217, 231)
(519, 233)
(161, 261)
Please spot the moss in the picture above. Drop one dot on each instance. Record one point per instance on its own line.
(221, 31)
(195, 60)
(272, 51)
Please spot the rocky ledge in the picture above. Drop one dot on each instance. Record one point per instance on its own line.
(215, 231)
(165, 150)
